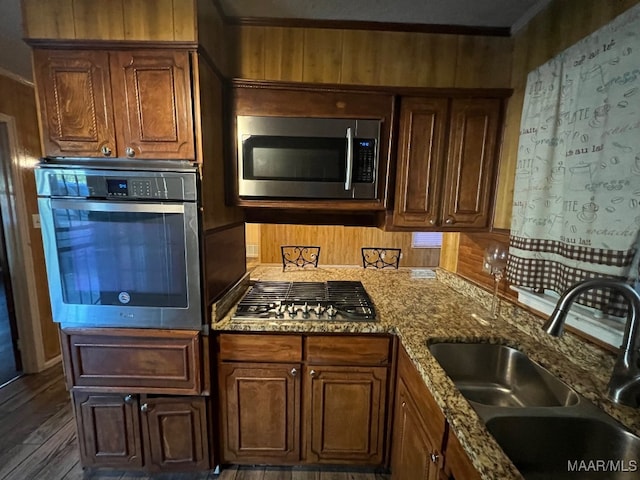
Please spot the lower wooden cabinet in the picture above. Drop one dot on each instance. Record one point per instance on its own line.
(339, 419)
(260, 412)
(423, 447)
(130, 432)
(345, 418)
(108, 429)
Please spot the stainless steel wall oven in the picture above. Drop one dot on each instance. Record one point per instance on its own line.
(121, 246)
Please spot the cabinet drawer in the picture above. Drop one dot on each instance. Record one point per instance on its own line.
(351, 350)
(132, 360)
(260, 347)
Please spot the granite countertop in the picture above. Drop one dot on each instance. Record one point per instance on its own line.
(423, 311)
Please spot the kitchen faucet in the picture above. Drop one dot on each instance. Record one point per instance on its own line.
(624, 385)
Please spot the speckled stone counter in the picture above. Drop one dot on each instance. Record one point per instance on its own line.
(423, 311)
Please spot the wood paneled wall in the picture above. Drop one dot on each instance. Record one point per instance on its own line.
(341, 245)
(471, 258)
(371, 57)
(18, 102)
(153, 20)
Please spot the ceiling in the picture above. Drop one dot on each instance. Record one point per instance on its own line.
(510, 14)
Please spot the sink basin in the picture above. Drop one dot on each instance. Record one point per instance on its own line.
(500, 376)
(549, 447)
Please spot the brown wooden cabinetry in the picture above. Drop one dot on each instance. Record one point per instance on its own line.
(440, 184)
(418, 429)
(133, 103)
(132, 392)
(340, 418)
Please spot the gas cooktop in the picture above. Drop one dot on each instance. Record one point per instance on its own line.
(333, 301)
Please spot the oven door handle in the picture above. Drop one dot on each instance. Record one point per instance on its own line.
(349, 173)
(107, 206)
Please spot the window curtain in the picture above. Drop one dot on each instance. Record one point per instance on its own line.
(576, 206)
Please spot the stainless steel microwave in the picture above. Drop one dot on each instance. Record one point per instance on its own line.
(319, 158)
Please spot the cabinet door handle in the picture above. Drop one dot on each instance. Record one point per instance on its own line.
(449, 221)
(130, 152)
(294, 372)
(144, 408)
(404, 404)
(128, 399)
(434, 457)
(106, 151)
(432, 221)
(312, 373)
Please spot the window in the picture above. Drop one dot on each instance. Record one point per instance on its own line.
(426, 240)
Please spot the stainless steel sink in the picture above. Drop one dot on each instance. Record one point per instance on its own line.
(543, 426)
(501, 376)
(567, 447)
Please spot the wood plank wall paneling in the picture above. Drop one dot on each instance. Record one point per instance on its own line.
(471, 257)
(560, 25)
(18, 101)
(371, 57)
(153, 20)
(449, 252)
(341, 245)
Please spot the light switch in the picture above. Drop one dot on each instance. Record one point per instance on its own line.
(36, 220)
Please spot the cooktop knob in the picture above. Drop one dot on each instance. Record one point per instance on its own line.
(319, 309)
(305, 310)
(292, 310)
(331, 311)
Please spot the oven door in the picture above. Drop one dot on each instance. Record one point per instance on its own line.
(122, 264)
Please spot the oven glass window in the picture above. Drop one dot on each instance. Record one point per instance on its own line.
(121, 258)
(294, 158)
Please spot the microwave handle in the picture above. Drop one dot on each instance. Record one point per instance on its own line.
(349, 173)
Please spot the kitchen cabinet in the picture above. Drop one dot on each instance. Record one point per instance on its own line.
(138, 397)
(115, 429)
(129, 103)
(344, 379)
(458, 465)
(418, 429)
(447, 156)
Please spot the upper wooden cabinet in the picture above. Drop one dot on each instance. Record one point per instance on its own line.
(440, 184)
(130, 103)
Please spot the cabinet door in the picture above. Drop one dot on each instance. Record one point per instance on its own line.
(345, 414)
(413, 455)
(175, 433)
(423, 123)
(458, 465)
(74, 96)
(473, 146)
(152, 100)
(108, 430)
(260, 420)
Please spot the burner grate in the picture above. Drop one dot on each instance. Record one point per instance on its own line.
(349, 298)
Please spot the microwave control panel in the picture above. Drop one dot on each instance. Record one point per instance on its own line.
(365, 156)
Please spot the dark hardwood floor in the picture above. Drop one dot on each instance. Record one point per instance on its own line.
(38, 442)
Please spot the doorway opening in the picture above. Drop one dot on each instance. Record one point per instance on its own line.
(10, 360)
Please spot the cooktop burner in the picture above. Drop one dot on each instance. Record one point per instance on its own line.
(333, 300)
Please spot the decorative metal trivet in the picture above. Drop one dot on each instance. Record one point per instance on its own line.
(299, 256)
(376, 257)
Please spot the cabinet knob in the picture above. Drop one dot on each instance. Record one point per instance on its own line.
(144, 408)
(312, 373)
(294, 372)
(449, 221)
(432, 221)
(106, 151)
(404, 404)
(130, 152)
(434, 457)
(128, 399)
